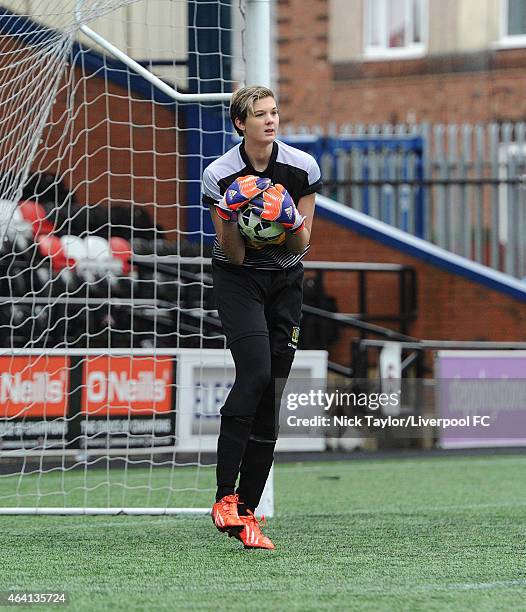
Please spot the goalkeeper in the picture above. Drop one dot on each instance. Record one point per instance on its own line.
(258, 293)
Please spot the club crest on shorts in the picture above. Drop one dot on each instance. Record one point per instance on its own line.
(295, 336)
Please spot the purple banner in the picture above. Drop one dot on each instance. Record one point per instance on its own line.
(483, 393)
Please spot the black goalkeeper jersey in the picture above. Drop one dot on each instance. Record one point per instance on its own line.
(296, 170)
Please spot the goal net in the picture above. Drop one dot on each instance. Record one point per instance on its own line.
(112, 362)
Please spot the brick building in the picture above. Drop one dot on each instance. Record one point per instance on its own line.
(440, 61)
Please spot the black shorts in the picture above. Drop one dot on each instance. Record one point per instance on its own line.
(254, 302)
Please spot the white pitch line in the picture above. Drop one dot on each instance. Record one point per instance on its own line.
(424, 463)
(415, 510)
(461, 586)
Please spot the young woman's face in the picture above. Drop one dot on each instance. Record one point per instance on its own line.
(262, 126)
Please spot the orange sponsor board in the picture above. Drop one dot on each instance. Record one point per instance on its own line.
(35, 387)
(115, 385)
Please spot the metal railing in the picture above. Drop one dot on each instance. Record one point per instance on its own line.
(415, 350)
(461, 187)
(74, 314)
(407, 289)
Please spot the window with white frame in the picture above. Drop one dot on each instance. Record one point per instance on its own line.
(514, 22)
(395, 28)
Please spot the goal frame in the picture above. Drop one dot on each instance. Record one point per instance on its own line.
(257, 45)
(257, 70)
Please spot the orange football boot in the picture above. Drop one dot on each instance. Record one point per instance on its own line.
(224, 515)
(252, 536)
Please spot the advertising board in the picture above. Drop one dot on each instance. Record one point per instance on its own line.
(483, 394)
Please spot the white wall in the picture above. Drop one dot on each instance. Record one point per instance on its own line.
(454, 26)
(346, 27)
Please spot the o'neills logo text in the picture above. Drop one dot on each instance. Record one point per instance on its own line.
(34, 388)
(121, 387)
(40, 387)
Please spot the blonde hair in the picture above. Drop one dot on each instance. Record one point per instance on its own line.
(242, 103)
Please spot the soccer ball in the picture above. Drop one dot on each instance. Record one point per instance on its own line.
(257, 230)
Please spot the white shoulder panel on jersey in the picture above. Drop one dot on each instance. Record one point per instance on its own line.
(226, 165)
(299, 159)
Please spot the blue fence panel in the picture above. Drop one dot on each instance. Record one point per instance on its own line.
(378, 165)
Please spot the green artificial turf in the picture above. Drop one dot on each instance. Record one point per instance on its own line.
(444, 533)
